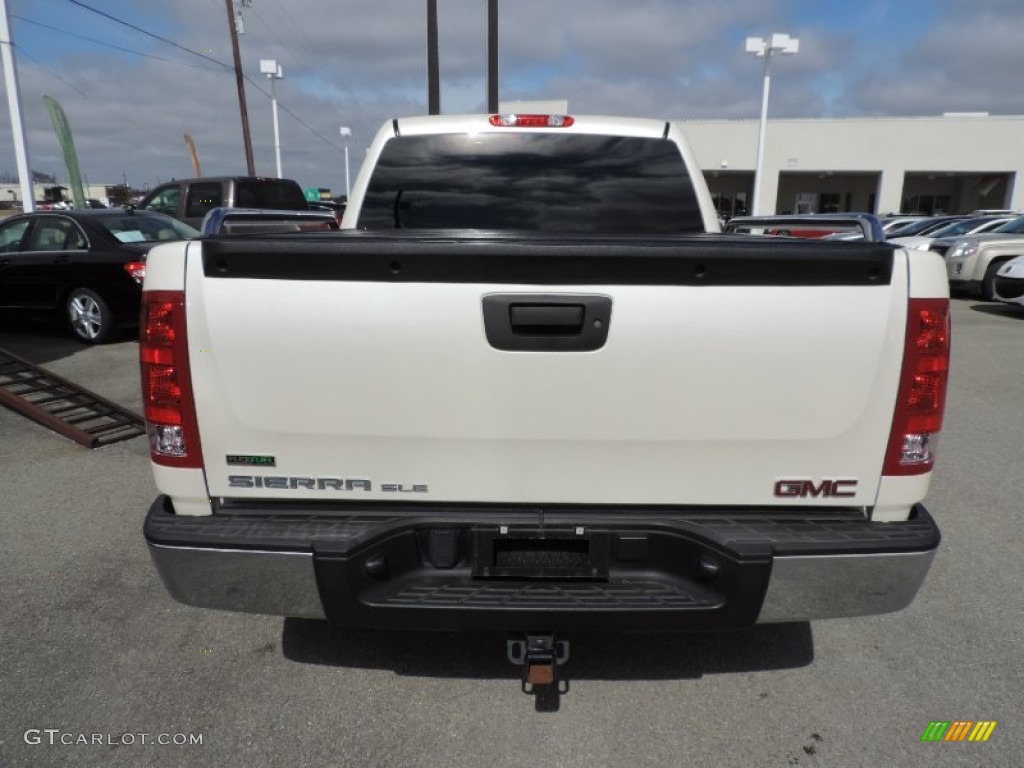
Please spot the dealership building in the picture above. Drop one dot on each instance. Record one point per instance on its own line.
(955, 163)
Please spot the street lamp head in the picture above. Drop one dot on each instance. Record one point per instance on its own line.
(346, 131)
(783, 43)
(780, 42)
(271, 68)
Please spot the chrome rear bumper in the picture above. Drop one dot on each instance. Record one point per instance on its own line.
(285, 567)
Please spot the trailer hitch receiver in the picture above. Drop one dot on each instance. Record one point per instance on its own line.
(540, 656)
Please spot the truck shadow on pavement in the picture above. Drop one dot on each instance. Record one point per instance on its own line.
(593, 656)
(1013, 311)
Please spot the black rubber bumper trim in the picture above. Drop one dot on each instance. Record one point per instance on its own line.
(341, 529)
(433, 566)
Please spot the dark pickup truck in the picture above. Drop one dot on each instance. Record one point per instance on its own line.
(191, 199)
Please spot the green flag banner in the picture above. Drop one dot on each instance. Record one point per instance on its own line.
(67, 146)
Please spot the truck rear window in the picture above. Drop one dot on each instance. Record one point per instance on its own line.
(268, 193)
(538, 182)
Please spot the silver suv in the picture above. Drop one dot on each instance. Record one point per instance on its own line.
(972, 261)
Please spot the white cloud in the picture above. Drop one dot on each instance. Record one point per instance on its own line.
(356, 63)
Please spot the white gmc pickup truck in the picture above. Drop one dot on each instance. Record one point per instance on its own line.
(530, 386)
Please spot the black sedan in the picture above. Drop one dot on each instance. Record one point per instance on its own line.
(86, 264)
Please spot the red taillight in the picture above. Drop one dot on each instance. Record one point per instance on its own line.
(166, 381)
(137, 270)
(917, 420)
(532, 121)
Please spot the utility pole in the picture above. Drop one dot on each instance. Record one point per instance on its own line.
(433, 66)
(28, 195)
(239, 80)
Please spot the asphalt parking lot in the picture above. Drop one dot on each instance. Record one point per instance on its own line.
(91, 645)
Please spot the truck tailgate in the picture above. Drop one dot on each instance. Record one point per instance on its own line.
(354, 366)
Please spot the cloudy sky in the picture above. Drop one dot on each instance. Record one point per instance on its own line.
(130, 97)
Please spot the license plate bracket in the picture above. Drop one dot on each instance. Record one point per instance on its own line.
(523, 553)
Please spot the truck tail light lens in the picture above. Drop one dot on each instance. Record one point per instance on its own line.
(136, 270)
(921, 402)
(532, 121)
(166, 381)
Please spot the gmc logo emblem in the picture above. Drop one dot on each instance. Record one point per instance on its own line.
(802, 489)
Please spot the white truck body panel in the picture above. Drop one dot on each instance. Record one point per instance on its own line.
(399, 385)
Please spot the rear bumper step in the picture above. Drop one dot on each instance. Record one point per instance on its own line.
(557, 568)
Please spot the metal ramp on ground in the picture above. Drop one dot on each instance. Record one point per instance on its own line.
(63, 406)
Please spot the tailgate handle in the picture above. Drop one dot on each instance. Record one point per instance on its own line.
(547, 322)
(546, 319)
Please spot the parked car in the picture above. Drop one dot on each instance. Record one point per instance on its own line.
(813, 226)
(336, 208)
(811, 233)
(968, 226)
(892, 223)
(972, 261)
(996, 212)
(191, 199)
(921, 226)
(87, 264)
(901, 226)
(1008, 285)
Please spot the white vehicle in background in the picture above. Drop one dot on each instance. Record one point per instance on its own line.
(971, 226)
(973, 261)
(890, 224)
(910, 226)
(1009, 282)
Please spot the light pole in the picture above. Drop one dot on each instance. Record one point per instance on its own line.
(272, 70)
(14, 105)
(346, 131)
(782, 43)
